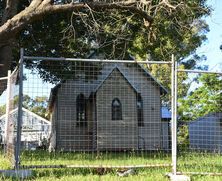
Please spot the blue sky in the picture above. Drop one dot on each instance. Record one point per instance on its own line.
(210, 48)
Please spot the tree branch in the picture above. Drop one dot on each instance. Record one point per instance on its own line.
(39, 8)
(35, 3)
(10, 10)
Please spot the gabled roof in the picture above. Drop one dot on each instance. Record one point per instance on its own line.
(105, 73)
(115, 68)
(123, 70)
(163, 90)
(28, 112)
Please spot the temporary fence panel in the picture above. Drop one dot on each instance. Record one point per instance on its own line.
(96, 113)
(199, 122)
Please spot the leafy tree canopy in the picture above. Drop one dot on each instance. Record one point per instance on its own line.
(117, 29)
(2, 110)
(37, 105)
(207, 98)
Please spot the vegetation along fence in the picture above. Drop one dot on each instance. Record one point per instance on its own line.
(199, 121)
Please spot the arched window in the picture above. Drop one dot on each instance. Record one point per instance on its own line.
(140, 110)
(116, 109)
(81, 110)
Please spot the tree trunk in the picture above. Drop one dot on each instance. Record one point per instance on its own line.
(6, 56)
(5, 59)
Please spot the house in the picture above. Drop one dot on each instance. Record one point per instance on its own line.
(205, 133)
(34, 128)
(118, 109)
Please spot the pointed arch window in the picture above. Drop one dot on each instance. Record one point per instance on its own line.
(140, 111)
(81, 111)
(116, 109)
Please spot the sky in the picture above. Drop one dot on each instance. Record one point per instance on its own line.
(211, 48)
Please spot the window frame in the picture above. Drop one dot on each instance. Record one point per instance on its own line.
(140, 117)
(116, 110)
(81, 118)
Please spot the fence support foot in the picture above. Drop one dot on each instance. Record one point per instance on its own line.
(22, 174)
(174, 177)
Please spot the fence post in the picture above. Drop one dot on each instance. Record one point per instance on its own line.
(173, 115)
(7, 112)
(19, 120)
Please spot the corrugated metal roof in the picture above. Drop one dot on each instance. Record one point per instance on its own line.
(165, 112)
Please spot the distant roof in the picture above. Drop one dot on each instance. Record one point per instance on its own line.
(165, 112)
(28, 112)
(208, 117)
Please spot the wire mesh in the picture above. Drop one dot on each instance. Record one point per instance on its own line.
(96, 113)
(9, 119)
(199, 122)
(3, 87)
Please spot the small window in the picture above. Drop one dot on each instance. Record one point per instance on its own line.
(81, 111)
(140, 111)
(116, 109)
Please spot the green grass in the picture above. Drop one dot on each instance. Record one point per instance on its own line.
(4, 162)
(187, 162)
(200, 162)
(102, 158)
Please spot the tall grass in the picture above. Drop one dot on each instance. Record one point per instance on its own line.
(102, 158)
(187, 162)
(4, 162)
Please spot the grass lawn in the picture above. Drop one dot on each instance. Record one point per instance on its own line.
(4, 163)
(102, 158)
(187, 162)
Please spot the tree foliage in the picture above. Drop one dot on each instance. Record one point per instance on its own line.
(117, 28)
(2, 110)
(38, 105)
(207, 98)
(179, 30)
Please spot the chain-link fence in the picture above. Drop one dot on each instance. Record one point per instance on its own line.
(199, 122)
